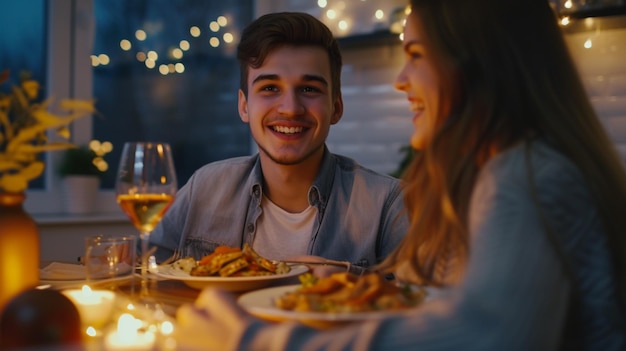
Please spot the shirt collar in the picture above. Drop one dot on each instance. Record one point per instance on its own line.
(319, 192)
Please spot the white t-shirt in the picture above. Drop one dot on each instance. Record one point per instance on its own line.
(281, 234)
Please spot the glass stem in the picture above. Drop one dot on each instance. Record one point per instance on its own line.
(144, 253)
(145, 238)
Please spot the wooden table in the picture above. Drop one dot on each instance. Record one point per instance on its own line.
(170, 294)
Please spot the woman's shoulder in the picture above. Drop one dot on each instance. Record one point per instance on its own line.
(537, 172)
(536, 158)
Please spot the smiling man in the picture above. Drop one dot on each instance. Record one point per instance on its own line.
(294, 197)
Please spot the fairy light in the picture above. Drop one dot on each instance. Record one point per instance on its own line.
(125, 44)
(214, 26)
(176, 53)
(140, 35)
(194, 31)
(141, 56)
(104, 59)
(183, 45)
(343, 25)
(228, 38)
(150, 63)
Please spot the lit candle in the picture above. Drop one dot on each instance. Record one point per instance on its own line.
(94, 306)
(127, 336)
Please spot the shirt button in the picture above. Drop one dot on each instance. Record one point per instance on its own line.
(250, 228)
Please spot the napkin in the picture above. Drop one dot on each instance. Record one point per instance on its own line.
(71, 271)
(63, 271)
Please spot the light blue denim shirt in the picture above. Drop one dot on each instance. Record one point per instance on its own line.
(360, 216)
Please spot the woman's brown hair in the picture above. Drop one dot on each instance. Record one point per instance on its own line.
(507, 75)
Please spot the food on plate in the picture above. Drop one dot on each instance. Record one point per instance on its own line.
(346, 292)
(185, 264)
(228, 261)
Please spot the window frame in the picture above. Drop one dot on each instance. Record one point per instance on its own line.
(70, 28)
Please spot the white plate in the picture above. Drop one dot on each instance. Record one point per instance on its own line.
(235, 284)
(261, 304)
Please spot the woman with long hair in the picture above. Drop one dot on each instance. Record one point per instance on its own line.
(515, 198)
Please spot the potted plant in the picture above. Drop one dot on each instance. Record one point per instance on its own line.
(81, 169)
(25, 124)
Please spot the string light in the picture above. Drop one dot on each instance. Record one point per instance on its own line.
(228, 38)
(183, 45)
(140, 35)
(341, 14)
(194, 31)
(125, 44)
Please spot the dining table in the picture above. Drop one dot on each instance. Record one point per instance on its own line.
(154, 302)
(140, 312)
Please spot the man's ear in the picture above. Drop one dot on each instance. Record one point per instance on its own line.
(337, 110)
(243, 107)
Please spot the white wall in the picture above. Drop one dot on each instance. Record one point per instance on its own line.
(377, 120)
(603, 69)
(62, 239)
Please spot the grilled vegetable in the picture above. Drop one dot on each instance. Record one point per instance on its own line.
(229, 261)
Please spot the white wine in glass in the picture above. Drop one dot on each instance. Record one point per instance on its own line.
(145, 187)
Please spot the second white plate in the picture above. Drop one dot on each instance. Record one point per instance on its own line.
(261, 304)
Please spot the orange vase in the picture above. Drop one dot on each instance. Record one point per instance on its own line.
(19, 248)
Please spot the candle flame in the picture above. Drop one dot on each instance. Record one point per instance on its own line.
(87, 290)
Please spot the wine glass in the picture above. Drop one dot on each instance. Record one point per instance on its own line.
(145, 188)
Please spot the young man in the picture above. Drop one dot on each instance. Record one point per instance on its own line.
(294, 197)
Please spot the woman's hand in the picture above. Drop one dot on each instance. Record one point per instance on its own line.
(214, 322)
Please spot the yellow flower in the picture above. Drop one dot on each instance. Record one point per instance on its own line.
(24, 124)
(31, 89)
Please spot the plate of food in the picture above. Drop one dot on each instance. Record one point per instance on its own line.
(340, 298)
(231, 269)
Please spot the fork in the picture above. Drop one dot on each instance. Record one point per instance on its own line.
(175, 257)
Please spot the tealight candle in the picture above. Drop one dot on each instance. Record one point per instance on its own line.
(128, 337)
(94, 306)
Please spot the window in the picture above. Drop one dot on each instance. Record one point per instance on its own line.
(167, 71)
(188, 98)
(23, 46)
